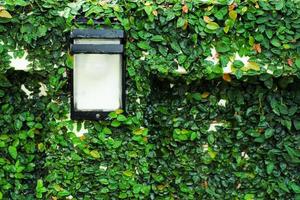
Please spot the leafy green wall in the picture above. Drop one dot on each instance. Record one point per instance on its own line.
(198, 126)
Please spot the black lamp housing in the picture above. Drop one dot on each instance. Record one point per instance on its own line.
(96, 50)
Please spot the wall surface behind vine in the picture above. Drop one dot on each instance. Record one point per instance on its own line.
(213, 102)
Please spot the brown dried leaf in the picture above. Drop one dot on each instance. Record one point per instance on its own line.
(154, 12)
(186, 23)
(205, 184)
(226, 77)
(231, 7)
(257, 48)
(185, 9)
(82, 137)
(145, 139)
(207, 19)
(261, 130)
(290, 62)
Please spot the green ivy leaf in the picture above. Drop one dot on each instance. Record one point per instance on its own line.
(12, 150)
(18, 124)
(40, 189)
(20, 2)
(193, 136)
(295, 187)
(238, 64)
(175, 46)
(291, 151)
(115, 123)
(196, 96)
(106, 130)
(269, 33)
(222, 47)
(249, 197)
(157, 38)
(297, 62)
(42, 30)
(170, 15)
(2, 93)
(211, 139)
(113, 115)
(275, 42)
(4, 81)
(104, 181)
(269, 133)
(220, 14)
(70, 61)
(253, 133)
(270, 167)
(296, 123)
(63, 193)
(144, 45)
(148, 9)
(121, 118)
(125, 24)
(283, 186)
(180, 22)
(212, 26)
(279, 5)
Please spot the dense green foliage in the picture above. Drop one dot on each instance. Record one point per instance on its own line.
(187, 133)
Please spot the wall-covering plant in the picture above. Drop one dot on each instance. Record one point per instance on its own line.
(213, 102)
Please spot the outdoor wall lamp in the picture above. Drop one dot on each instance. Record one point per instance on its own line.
(98, 80)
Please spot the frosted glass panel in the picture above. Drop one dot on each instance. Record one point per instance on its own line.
(97, 41)
(97, 82)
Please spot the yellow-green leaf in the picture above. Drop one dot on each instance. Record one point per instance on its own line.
(41, 147)
(226, 29)
(212, 26)
(244, 9)
(212, 153)
(5, 14)
(57, 187)
(251, 65)
(95, 154)
(117, 8)
(233, 15)
(128, 173)
(286, 46)
(138, 131)
(119, 111)
(251, 40)
(249, 197)
(141, 131)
